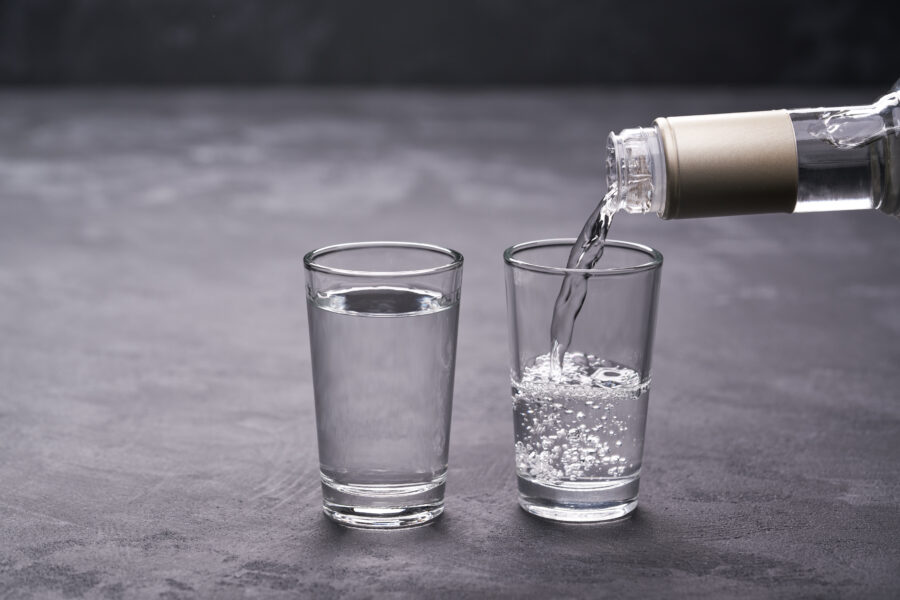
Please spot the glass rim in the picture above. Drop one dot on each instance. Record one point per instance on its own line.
(655, 256)
(309, 259)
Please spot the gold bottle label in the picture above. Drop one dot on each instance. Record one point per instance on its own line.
(731, 164)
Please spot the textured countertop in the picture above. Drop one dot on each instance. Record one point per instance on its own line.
(157, 433)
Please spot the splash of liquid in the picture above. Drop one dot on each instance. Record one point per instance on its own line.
(586, 251)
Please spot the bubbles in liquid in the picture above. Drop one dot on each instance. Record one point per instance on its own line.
(562, 436)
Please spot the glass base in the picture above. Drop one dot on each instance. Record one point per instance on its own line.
(388, 506)
(578, 515)
(377, 518)
(580, 501)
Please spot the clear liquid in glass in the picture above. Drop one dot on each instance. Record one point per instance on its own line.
(383, 362)
(579, 437)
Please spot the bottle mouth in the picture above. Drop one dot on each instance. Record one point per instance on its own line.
(612, 169)
(634, 164)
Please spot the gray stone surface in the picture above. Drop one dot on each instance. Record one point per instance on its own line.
(157, 433)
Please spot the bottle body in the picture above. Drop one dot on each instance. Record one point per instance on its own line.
(847, 170)
(772, 161)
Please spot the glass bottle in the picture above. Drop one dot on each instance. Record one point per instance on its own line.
(803, 160)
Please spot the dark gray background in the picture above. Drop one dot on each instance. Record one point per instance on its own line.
(448, 42)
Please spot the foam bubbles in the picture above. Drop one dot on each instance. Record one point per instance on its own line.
(561, 432)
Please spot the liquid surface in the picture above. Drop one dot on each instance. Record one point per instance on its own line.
(857, 126)
(383, 360)
(582, 424)
(847, 157)
(586, 251)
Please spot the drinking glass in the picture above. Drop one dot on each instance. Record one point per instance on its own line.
(579, 429)
(382, 329)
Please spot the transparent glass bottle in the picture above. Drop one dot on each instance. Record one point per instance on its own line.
(803, 160)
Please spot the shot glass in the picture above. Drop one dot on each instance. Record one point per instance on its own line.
(382, 329)
(579, 423)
